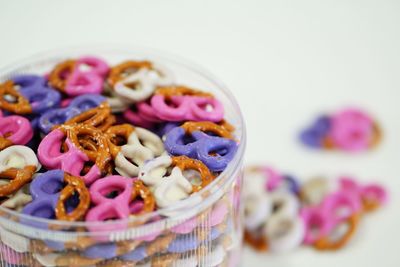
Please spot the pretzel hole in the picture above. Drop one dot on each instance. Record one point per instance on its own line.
(277, 206)
(85, 67)
(72, 202)
(86, 168)
(187, 139)
(119, 140)
(170, 103)
(250, 205)
(134, 108)
(7, 134)
(112, 192)
(193, 176)
(282, 229)
(2, 199)
(218, 152)
(338, 232)
(87, 143)
(343, 211)
(133, 162)
(64, 148)
(211, 133)
(10, 98)
(207, 107)
(25, 190)
(134, 86)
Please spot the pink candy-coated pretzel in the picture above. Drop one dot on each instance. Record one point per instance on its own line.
(107, 208)
(328, 215)
(136, 119)
(315, 218)
(79, 83)
(371, 196)
(147, 112)
(70, 77)
(72, 161)
(15, 128)
(351, 130)
(187, 107)
(97, 66)
(341, 205)
(143, 117)
(121, 206)
(274, 178)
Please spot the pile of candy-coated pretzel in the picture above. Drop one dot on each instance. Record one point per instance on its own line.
(89, 142)
(84, 147)
(281, 213)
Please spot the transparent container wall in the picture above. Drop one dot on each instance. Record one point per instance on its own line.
(204, 230)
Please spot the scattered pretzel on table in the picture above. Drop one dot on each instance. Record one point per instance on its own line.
(326, 205)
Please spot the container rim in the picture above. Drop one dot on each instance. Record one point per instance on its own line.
(220, 182)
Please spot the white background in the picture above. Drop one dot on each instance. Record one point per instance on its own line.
(284, 61)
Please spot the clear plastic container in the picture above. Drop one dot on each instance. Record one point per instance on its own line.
(203, 230)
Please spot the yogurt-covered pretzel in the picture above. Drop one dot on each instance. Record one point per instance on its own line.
(257, 205)
(12, 100)
(284, 228)
(171, 188)
(135, 87)
(17, 200)
(18, 164)
(314, 190)
(120, 71)
(136, 145)
(140, 85)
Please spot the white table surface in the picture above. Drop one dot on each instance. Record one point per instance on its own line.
(284, 60)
